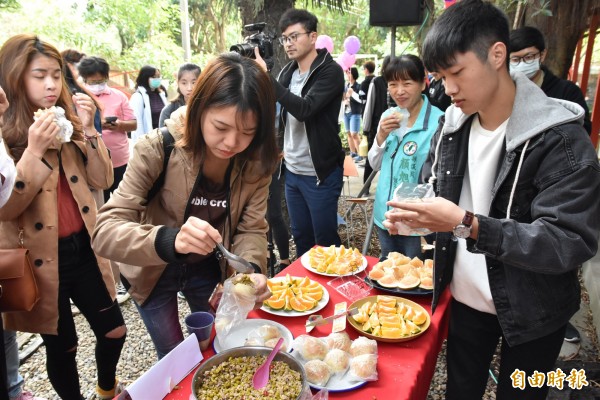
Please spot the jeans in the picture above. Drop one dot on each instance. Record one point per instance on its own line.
(313, 209)
(410, 246)
(472, 340)
(80, 279)
(14, 381)
(160, 312)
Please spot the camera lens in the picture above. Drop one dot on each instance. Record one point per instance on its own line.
(245, 49)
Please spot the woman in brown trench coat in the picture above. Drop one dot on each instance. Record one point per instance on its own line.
(53, 207)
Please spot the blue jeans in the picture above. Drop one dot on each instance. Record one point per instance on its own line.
(410, 246)
(313, 209)
(160, 312)
(14, 381)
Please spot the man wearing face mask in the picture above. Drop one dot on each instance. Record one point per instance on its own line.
(117, 119)
(527, 54)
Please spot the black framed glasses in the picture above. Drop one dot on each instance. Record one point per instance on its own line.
(292, 38)
(527, 58)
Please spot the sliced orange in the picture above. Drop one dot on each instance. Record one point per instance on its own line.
(392, 333)
(376, 331)
(308, 303)
(315, 295)
(276, 304)
(297, 305)
(361, 317)
(390, 322)
(419, 318)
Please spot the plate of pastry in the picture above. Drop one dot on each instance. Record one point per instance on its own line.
(334, 261)
(255, 332)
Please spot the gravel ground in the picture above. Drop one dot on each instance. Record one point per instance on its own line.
(138, 354)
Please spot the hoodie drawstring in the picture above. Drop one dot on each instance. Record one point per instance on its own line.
(514, 187)
(433, 178)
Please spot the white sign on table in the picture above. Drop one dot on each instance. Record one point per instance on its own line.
(159, 380)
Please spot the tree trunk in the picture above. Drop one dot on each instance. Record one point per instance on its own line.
(270, 12)
(569, 21)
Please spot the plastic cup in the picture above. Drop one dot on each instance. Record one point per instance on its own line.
(200, 323)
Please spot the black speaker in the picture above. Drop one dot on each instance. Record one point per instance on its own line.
(396, 12)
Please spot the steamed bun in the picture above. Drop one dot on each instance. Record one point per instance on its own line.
(337, 360)
(272, 342)
(312, 348)
(339, 340)
(364, 367)
(317, 372)
(269, 332)
(363, 345)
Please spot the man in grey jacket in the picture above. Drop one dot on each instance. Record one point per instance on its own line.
(517, 209)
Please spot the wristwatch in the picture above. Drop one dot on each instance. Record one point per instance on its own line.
(463, 230)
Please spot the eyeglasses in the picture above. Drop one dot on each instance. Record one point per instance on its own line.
(527, 58)
(96, 82)
(292, 38)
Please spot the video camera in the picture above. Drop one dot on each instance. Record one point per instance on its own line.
(259, 39)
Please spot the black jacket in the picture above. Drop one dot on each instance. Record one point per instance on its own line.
(318, 108)
(533, 254)
(563, 89)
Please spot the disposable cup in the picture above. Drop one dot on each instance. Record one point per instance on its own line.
(200, 323)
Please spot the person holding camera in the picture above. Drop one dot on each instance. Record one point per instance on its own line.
(310, 90)
(118, 118)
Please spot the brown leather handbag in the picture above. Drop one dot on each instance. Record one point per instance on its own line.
(19, 291)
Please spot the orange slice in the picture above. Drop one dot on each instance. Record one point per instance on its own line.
(276, 304)
(297, 305)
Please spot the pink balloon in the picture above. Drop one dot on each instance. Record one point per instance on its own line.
(352, 44)
(347, 60)
(324, 42)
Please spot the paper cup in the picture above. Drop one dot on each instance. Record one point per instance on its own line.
(200, 324)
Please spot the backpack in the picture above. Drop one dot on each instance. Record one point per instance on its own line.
(168, 144)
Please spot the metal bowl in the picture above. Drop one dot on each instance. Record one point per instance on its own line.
(248, 351)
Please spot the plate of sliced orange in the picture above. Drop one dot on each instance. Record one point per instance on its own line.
(389, 318)
(294, 296)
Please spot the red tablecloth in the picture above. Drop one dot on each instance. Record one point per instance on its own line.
(405, 369)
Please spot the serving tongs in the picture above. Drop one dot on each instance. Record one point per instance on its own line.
(236, 262)
(317, 320)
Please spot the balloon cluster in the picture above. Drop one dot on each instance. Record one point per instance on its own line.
(351, 47)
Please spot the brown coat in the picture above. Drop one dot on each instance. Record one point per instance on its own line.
(121, 237)
(34, 199)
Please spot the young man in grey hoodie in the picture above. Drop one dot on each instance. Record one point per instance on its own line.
(516, 213)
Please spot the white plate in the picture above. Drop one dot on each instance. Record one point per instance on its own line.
(304, 260)
(293, 313)
(238, 334)
(337, 382)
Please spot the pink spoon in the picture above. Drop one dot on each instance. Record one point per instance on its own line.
(261, 376)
